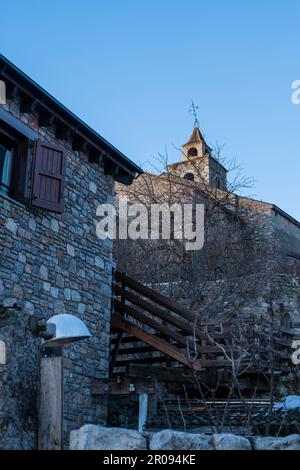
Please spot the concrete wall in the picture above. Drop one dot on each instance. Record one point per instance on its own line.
(50, 264)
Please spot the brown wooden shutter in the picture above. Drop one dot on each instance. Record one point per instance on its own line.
(48, 177)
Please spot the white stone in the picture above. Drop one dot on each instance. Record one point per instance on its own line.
(28, 308)
(59, 307)
(75, 296)
(2, 353)
(44, 272)
(173, 440)
(99, 263)
(92, 437)
(54, 225)
(291, 442)
(81, 308)
(46, 286)
(67, 293)
(70, 250)
(54, 292)
(74, 440)
(227, 441)
(32, 225)
(22, 258)
(11, 225)
(93, 187)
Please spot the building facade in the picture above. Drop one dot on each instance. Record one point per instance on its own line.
(242, 236)
(198, 164)
(54, 172)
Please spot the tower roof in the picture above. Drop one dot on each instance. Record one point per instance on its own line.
(195, 137)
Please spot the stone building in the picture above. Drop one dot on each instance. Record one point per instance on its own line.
(200, 177)
(54, 172)
(248, 267)
(198, 163)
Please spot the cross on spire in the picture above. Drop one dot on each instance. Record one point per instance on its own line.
(193, 112)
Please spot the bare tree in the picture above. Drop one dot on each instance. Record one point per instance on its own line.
(215, 282)
(236, 241)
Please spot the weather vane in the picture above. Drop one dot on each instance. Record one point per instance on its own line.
(193, 112)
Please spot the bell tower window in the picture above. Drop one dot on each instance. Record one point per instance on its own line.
(189, 176)
(192, 152)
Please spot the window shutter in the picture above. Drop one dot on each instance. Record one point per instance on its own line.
(48, 177)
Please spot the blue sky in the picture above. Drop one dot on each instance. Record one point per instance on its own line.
(130, 69)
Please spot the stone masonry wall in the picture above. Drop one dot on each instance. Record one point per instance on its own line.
(50, 264)
(91, 437)
(287, 233)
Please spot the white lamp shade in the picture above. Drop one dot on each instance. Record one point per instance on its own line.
(68, 330)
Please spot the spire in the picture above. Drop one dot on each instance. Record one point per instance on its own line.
(195, 146)
(196, 137)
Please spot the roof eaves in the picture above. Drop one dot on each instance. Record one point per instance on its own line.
(9, 71)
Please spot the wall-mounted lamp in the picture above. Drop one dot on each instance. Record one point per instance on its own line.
(68, 329)
(59, 330)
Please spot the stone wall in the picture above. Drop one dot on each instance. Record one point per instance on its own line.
(123, 411)
(287, 234)
(91, 437)
(50, 264)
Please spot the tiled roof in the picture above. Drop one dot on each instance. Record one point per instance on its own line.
(195, 137)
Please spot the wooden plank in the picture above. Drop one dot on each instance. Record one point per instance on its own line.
(220, 363)
(135, 350)
(153, 309)
(126, 339)
(161, 374)
(168, 303)
(123, 388)
(114, 353)
(50, 431)
(201, 349)
(124, 308)
(207, 363)
(157, 297)
(157, 343)
(141, 360)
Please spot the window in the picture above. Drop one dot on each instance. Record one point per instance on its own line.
(218, 182)
(32, 170)
(192, 152)
(13, 158)
(189, 176)
(7, 151)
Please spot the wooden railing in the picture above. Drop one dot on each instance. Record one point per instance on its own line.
(150, 328)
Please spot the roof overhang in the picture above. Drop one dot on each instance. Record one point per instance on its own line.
(68, 126)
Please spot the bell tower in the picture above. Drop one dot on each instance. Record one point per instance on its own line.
(195, 147)
(198, 164)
